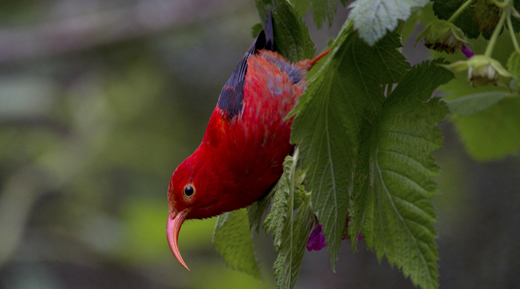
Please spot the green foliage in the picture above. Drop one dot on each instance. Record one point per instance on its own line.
(232, 240)
(473, 103)
(291, 36)
(332, 115)
(302, 6)
(366, 126)
(256, 211)
(256, 29)
(471, 19)
(292, 249)
(289, 233)
(373, 18)
(321, 128)
(492, 133)
(282, 204)
(279, 197)
(323, 10)
(513, 65)
(392, 205)
(487, 128)
(444, 9)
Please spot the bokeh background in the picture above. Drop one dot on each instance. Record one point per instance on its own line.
(100, 100)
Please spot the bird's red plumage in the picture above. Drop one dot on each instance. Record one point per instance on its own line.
(247, 138)
(240, 158)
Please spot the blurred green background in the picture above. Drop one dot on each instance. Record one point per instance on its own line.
(101, 100)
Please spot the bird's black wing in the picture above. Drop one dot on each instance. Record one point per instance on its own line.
(232, 94)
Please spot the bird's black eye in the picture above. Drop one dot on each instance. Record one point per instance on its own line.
(189, 190)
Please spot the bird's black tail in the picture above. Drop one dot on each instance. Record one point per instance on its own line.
(265, 39)
(269, 32)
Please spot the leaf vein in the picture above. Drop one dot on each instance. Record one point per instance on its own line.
(407, 157)
(389, 196)
(412, 135)
(407, 178)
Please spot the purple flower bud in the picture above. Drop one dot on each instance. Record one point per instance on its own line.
(346, 226)
(467, 51)
(316, 239)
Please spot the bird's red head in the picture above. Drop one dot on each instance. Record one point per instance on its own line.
(190, 195)
(181, 195)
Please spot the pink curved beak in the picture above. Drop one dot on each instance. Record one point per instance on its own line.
(173, 226)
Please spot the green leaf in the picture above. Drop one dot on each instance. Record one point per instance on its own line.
(423, 15)
(494, 132)
(256, 211)
(290, 254)
(342, 98)
(388, 63)
(323, 10)
(445, 8)
(458, 86)
(373, 18)
(473, 103)
(392, 206)
(480, 138)
(256, 29)
(290, 234)
(302, 6)
(291, 37)
(515, 21)
(277, 218)
(513, 65)
(232, 240)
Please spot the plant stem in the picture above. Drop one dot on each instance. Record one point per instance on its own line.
(493, 40)
(292, 183)
(512, 33)
(499, 4)
(459, 11)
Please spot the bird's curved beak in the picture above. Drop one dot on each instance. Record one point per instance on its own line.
(173, 226)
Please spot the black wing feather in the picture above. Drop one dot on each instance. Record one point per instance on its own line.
(232, 93)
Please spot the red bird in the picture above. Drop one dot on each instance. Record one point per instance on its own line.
(242, 152)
